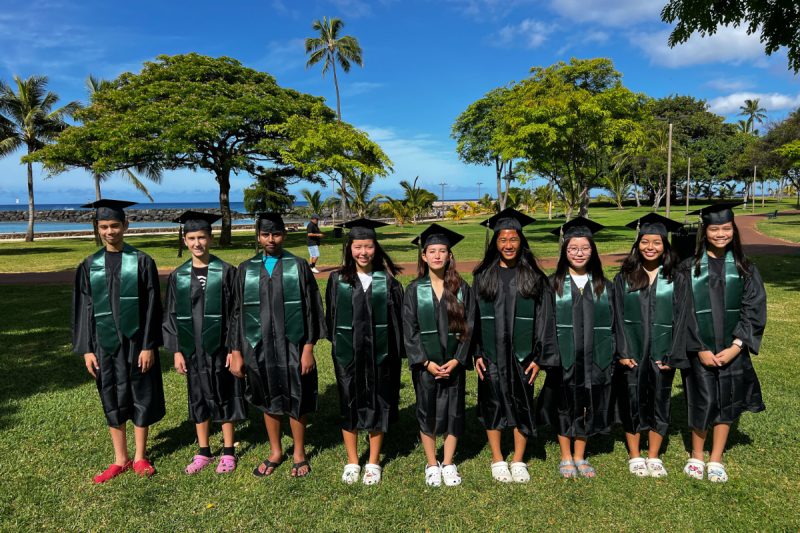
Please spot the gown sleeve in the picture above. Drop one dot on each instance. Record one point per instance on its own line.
(411, 336)
(617, 329)
(151, 335)
(396, 316)
(314, 316)
(545, 344)
(477, 342)
(82, 337)
(234, 319)
(169, 328)
(622, 351)
(682, 307)
(228, 301)
(753, 314)
(464, 348)
(330, 304)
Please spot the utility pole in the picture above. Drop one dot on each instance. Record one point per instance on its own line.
(669, 167)
(441, 198)
(479, 190)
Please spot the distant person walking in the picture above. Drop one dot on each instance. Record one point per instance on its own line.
(314, 237)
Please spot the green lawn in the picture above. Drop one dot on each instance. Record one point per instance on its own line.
(53, 439)
(65, 254)
(785, 227)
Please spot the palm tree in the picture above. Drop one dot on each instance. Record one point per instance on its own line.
(397, 209)
(359, 186)
(31, 122)
(332, 49)
(754, 114)
(314, 200)
(417, 199)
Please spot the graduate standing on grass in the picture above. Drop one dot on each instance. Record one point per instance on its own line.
(653, 301)
(726, 327)
(116, 325)
(277, 319)
(516, 339)
(198, 307)
(575, 397)
(438, 315)
(363, 310)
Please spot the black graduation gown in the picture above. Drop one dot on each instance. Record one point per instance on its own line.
(721, 395)
(369, 394)
(440, 402)
(575, 401)
(505, 399)
(125, 392)
(273, 383)
(642, 394)
(214, 393)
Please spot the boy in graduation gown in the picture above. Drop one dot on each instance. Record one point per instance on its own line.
(515, 339)
(198, 306)
(116, 326)
(364, 304)
(276, 321)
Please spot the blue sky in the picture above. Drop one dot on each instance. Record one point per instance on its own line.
(424, 62)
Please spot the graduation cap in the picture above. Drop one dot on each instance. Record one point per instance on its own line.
(193, 221)
(314, 215)
(269, 223)
(363, 228)
(578, 227)
(107, 209)
(436, 234)
(508, 218)
(654, 224)
(717, 213)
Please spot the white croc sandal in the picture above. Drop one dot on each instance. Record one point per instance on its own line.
(433, 476)
(655, 467)
(500, 472)
(450, 476)
(695, 468)
(351, 473)
(717, 473)
(638, 467)
(372, 474)
(519, 473)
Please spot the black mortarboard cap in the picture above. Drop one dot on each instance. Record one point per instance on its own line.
(196, 221)
(107, 209)
(508, 218)
(436, 234)
(269, 222)
(717, 213)
(654, 224)
(363, 228)
(314, 215)
(578, 227)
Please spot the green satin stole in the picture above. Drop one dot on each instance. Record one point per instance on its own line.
(522, 339)
(702, 302)
(293, 321)
(344, 319)
(602, 340)
(107, 335)
(212, 307)
(429, 332)
(661, 337)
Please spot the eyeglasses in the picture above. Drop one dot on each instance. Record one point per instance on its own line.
(575, 251)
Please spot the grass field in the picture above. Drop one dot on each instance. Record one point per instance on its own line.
(53, 439)
(784, 227)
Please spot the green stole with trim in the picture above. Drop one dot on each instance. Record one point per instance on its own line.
(212, 308)
(429, 332)
(602, 340)
(107, 335)
(344, 319)
(702, 302)
(661, 338)
(522, 340)
(293, 321)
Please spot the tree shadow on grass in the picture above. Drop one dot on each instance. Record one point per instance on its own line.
(35, 250)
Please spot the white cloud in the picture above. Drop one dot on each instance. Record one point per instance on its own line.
(283, 56)
(352, 8)
(616, 13)
(492, 9)
(728, 84)
(727, 105)
(360, 87)
(728, 45)
(529, 33)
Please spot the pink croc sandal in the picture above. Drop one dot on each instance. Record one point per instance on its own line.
(227, 464)
(198, 463)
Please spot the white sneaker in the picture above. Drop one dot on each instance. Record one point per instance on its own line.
(351, 473)
(315, 270)
(433, 475)
(450, 475)
(519, 473)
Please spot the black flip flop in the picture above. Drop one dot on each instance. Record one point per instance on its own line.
(297, 466)
(267, 464)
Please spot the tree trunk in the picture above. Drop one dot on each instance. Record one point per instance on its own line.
(224, 180)
(336, 84)
(636, 191)
(343, 202)
(498, 167)
(97, 196)
(584, 209)
(29, 234)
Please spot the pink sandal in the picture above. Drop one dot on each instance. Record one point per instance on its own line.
(198, 463)
(227, 463)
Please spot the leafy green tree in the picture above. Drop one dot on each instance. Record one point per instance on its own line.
(456, 212)
(314, 201)
(268, 193)
(397, 209)
(417, 199)
(778, 152)
(332, 49)
(29, 120)
(777, 22)
(754, 113)
(359, 190)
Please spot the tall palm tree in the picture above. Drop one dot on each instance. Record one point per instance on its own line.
(332, 49)
(31, 122)
(359, 187)
(314, 200)
(754, 114)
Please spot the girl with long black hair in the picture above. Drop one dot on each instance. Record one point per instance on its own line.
(516, 338)
(652, 300)
(725, 328)
(363, 311)
(438, 313)
(575, 397)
